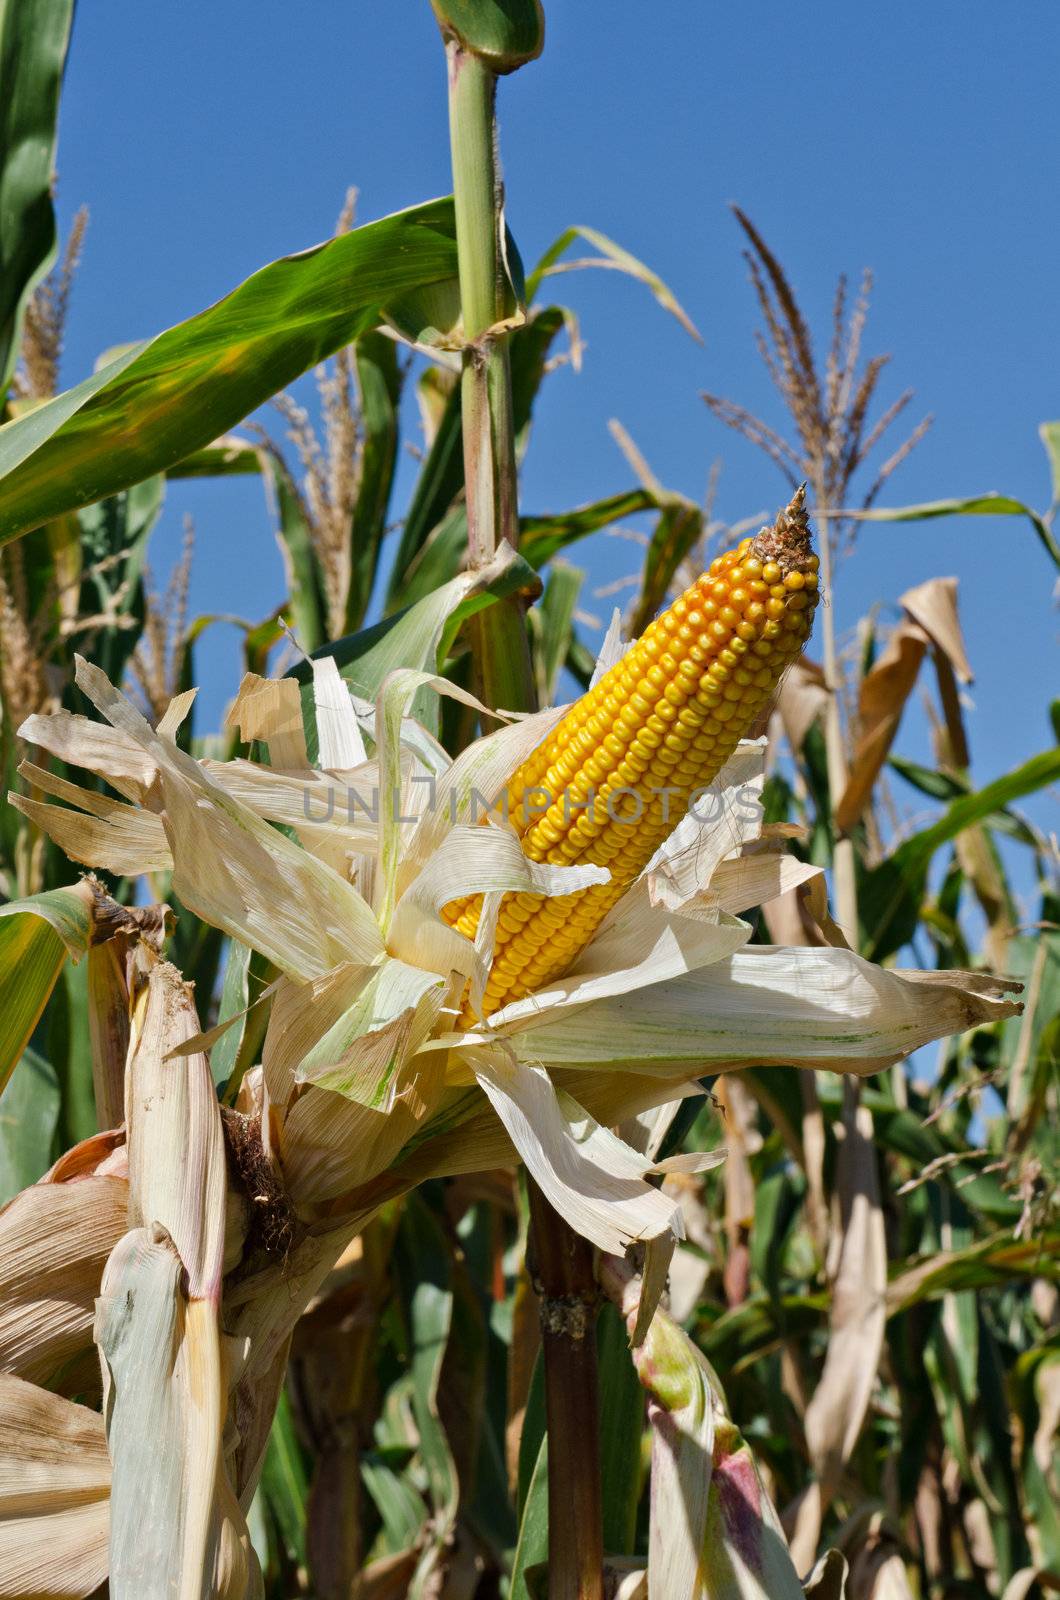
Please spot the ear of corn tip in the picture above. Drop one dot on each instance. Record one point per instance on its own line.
(617, 774)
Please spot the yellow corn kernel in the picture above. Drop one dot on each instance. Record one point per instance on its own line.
(658, 727)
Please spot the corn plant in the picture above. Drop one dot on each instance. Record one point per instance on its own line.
(411, 1190)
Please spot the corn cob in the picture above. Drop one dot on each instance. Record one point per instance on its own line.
(617, 774)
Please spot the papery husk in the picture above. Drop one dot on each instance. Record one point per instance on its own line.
(330, 1146)
(726, 816)
(234, 870)
(157, 1321)
(100, 832)
(173, 1132)
(82, 742)
(175, 1529)
(763, 1005)
(594, 1180)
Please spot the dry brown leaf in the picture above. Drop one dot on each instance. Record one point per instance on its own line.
(128, 843)
(837, 1411)
(81, 742)
(388, 1578)
(881, 701)
(930, 622)
(102, 1155)
(54, 1495)
(523, 1350)
(741, 1140)
(108, 1026)
(879, 1573)
(270, 709)
(1022, 1583)
(802, 699)
(934, 606)
(828, 1579)
(54, 1242)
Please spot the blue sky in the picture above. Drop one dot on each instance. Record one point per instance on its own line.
(919, 140)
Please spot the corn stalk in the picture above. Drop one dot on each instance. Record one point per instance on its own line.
(504, 674)
(501, 648)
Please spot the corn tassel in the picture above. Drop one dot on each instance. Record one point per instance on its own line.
(618, 773)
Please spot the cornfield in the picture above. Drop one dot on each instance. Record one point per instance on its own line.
(500, 1119)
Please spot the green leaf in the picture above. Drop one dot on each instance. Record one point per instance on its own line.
(440, 479)
(1031, 1041)
(613, 256)
(532, 1548)
(533, 1433)
(777, 1201)
(552, 625)
(36, 936)
(994, 1445)
(418, 638)
(235, 995)
(69, 1050)
(905, 1133)
(160, 401)
(400, 1507)
(743, 1335)
(307, 606)
(516, 577)
(1049, 433)
(379, 387)
(440, 558)
(949, 786)
(978, 505)
(285, 1481)
(114, 536)
(529, 348)
(1031, 1381)
(29, 1116)
(409, 639)
(504, 33)
(580, 663)
(424, 1270)
(891, 894)
(938, 785)
(33, 45)
(679, 528)
(621, 1432)
(540, 538)
(225, 458)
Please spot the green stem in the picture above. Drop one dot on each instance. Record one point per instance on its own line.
(476, 185)
(502, 651)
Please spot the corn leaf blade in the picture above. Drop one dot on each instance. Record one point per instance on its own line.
(187, 385)
(36, 936)
(33, 45)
